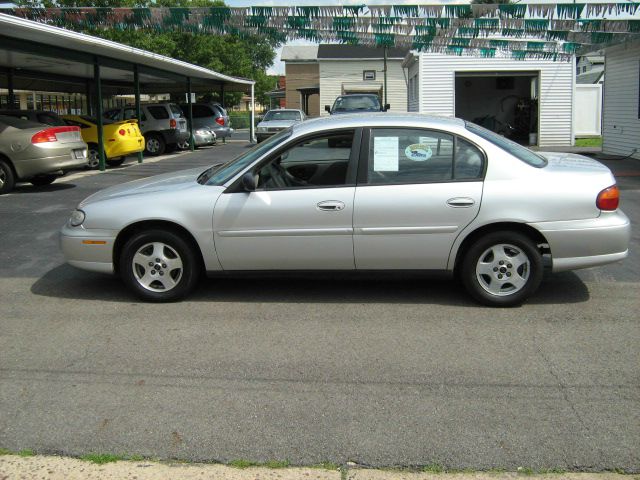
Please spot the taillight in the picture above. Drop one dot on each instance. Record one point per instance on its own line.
(609, 198)
(173, 123)
(49, 134)
(220, 121)
(122, 132)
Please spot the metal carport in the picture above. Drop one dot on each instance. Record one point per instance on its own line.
(35, 56)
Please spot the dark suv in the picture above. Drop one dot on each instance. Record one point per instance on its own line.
(356, 103)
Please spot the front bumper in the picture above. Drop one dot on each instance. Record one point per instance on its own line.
(173, 135)
(578, 244)
(84, 249)
(203, 139)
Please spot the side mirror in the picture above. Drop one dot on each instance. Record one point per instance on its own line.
(327, 108)
(386, 107)
(250, 182)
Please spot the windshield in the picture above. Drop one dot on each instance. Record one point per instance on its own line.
(356, 102)
(219, 176)
(515, 149)
(276, 115)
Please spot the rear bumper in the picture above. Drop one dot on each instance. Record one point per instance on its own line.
(95, 257)
(587, 243)
(124, 147)
(43, 165)
(173, 135)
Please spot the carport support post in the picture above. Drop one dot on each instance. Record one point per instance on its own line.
(136, 91)
(252, 137)
(12, 96)
(192, 140)
(96, 80)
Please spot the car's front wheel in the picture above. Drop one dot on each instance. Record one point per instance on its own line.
(502, 269)
(160, 266)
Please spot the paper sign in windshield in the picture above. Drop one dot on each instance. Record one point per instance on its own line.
(385, 154)
(418, 152)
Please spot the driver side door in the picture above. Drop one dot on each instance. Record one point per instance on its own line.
(300, 215)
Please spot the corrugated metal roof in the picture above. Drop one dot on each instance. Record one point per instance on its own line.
(27, 30)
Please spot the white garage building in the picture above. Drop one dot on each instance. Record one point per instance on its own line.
(529, 101)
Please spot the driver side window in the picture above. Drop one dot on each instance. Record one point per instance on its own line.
(316, 162)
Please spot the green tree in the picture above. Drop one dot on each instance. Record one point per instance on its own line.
(247, 57)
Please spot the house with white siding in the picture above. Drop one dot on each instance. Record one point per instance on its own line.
(528, 101)
(621, 104)
(317, 75)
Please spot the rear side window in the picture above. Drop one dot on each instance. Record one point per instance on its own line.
(176, 110)
(201, 111)
(50, 119)
(112, 114)
(159, 113)
(421, 156)
(221, 111)
(518, 151)
(18, 122)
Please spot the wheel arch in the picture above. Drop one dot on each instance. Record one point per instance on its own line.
(8, 161)
(130, 230)
(472, 236)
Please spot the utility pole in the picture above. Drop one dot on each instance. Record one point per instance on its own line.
(385, 76)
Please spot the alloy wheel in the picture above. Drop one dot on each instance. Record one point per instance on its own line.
(153, 145)
(157, 267)
(503, 269)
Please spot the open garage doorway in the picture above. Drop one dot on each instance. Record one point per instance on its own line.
(504, 102)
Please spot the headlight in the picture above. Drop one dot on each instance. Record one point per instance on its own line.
(77, 217)
(202, 132)
(261, 129)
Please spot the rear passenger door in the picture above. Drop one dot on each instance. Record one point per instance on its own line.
(417, 189)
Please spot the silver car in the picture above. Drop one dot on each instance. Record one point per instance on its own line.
(376, 192)
(37, 153)
(275, 121)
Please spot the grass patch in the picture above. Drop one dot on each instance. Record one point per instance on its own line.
(433, 468)
(27, 452)
(526, 471)
(136, 458)
(102, 458)
(589, 142)
(4, 451)
(241, 463)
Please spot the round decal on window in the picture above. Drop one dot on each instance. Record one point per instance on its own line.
(418, 152)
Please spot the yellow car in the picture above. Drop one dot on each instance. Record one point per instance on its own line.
(120, 138)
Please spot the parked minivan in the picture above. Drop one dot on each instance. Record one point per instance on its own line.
(211, 116)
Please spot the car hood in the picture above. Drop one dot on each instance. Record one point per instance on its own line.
(572, 162)
(157, 184)
(278, 123)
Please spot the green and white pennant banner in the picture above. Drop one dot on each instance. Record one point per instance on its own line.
(553, 31)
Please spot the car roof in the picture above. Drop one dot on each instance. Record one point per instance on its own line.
(381, 119)
(285, 110)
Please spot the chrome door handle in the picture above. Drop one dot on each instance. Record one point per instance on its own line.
(331, 206)
(460, 202)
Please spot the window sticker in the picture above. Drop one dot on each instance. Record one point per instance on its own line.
(418, 152)
(385, 154)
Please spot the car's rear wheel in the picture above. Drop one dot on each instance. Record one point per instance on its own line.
(154, 144)
(43, 180)
(502, 269)
(7, 179)
(160, 266)
(93, 156)
(116, 162)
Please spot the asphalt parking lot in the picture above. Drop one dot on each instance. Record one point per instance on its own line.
(379, 371)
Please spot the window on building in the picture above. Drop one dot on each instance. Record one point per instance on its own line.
(369, 75)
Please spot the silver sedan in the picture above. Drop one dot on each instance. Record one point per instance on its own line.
(376, 192)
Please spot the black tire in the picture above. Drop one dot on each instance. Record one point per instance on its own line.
(174, 244)
(154, 144)
(43, 180)
(7, 178)
(116, 162)
(494, 287)
(93, 156)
